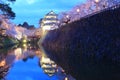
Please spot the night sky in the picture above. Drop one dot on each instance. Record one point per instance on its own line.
(32, 10)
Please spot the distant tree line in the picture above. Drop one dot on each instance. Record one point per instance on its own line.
(26, 25)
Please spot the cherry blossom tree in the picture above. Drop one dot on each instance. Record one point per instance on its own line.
(89, 7)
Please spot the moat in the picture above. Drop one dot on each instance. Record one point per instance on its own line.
(29, 62)
(84, 45)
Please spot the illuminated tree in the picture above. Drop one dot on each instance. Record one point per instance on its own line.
(89, 7)
(101, 4)
(64, 18)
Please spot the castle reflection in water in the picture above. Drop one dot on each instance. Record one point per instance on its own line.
(24, 52)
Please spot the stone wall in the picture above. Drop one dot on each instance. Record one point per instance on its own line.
(88, 49)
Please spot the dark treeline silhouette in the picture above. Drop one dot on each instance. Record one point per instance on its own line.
(26, 25)
(88, 49)
(6, 10)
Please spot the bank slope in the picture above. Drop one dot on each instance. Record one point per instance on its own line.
(88, 49)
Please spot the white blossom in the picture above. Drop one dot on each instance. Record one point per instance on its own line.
(89, 7)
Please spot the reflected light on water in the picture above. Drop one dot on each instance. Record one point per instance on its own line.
(48, 66)
(24, 47)
(45, 60)
(66, 78)
(18, 51)
(44, 33)
(40, 67)
(2, 63)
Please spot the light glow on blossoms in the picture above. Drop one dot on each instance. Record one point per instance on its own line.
(78, 10)
(96, 1)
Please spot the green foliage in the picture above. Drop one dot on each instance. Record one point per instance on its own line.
(7, 41)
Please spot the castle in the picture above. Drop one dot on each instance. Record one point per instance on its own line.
(49, 22)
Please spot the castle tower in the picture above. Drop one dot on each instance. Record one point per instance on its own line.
(49, 22)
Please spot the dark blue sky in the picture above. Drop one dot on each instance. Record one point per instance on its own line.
(32, 10)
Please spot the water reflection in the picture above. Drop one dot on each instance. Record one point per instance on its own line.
(49, 67)
(28, 62)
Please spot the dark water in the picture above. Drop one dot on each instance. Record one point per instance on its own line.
(29, 62)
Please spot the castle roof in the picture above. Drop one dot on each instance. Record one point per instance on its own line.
(50, 19)
(51, 13)
(52, 23)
